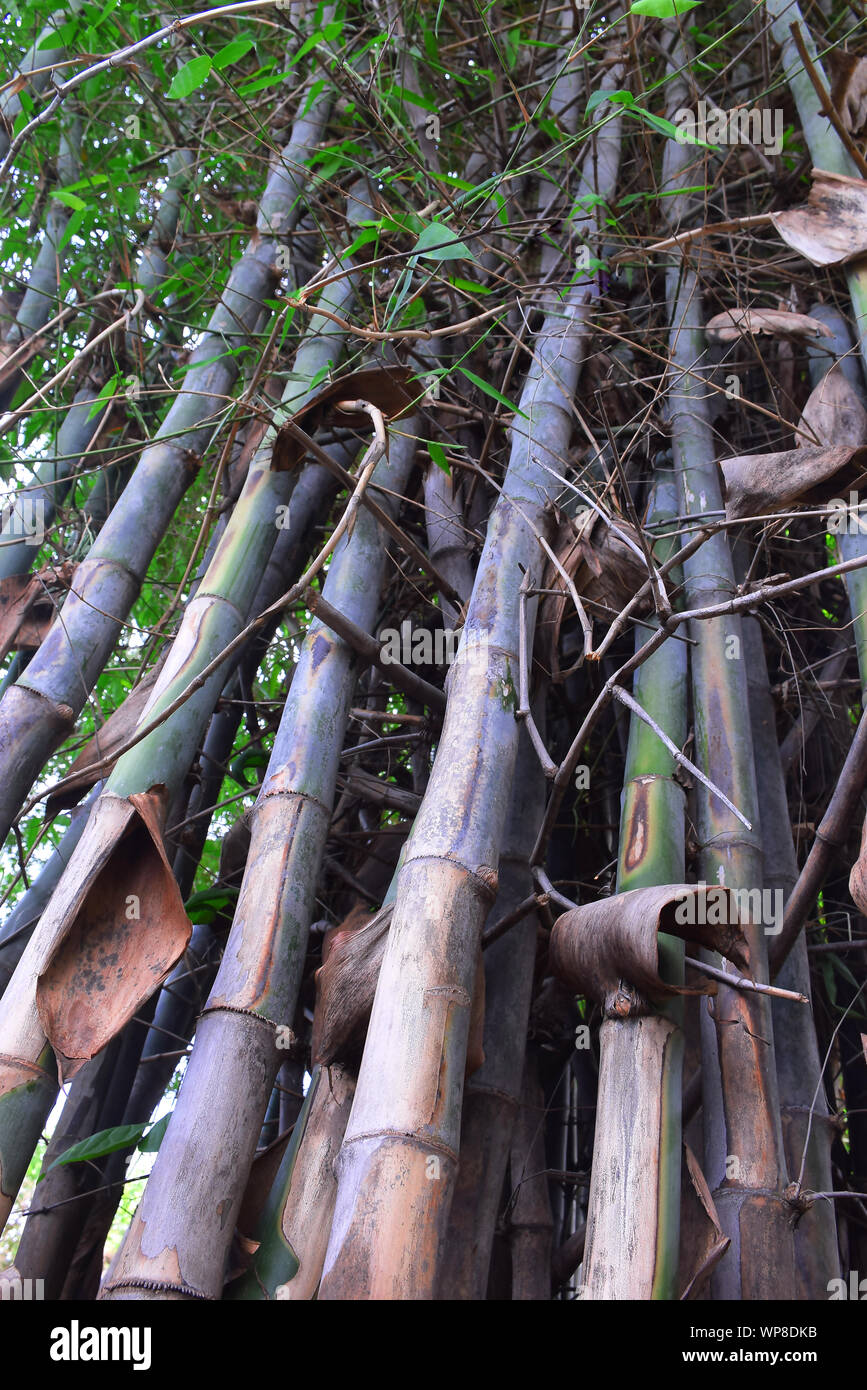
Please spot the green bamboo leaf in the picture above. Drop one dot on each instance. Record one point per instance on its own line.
(617, 98)
(469, 286)
(203, 907)
(192, 75)
(439, 243)
(69, 200)
(231, 53)
(438, 456)
(106, 1141)
(326, 35)
(261, 83)
(492, 391)
(105, 395)
(59, 37)
(663, 9)
(155, 1135)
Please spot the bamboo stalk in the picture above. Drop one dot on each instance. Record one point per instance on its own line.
(36, 57)
(181, 1242)
(749, 1130)
(391, 1215)
(493, 1093)
(83, 1226)
(293, 1231)
(530, 1224)
(808, 1145)
(634, 1199)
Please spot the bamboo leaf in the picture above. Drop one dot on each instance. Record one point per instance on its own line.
(439, 243)
(492, 391)
(663, 9)
(106, 1141)
(155, 1135)
(191, 76)
(231, 53)
(438, 456)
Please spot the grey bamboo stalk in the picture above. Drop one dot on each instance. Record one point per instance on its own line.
(493, 1093)
(37, 713)
(799, 1069)
(634, 1200)
(178, 1239)
(751, 1206)
(391, 1218)
(212, 619)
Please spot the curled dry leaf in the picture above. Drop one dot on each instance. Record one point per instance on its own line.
(346, 984)
(124, 930)
(609, 947)
(831, 228)
(732, 324)
(604, 570)
(756, 484)
(263, 1171)
(809, 474)
(388, 388)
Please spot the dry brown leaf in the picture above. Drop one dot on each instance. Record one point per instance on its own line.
(27, 606)
(732, 324)
(756, 484)
(702, 1241)
(604, 570)
(263, 1171)
(831, 228)
(106, 963)
(388, 388)
(346, 984)
(849, 90)
(833, 413)
(611, 945)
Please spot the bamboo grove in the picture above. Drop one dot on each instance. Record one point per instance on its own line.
(433, 624)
